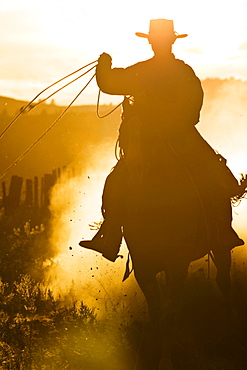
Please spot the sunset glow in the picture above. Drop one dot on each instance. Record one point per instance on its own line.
(119, 245)
(42, 41)
(75, 204)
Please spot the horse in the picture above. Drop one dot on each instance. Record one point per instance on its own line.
(172, 210)
(170, 221)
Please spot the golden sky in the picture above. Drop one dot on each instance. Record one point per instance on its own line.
(41, 41)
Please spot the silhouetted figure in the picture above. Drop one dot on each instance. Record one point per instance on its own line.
(163, 99)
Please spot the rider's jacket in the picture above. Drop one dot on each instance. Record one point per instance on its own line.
(165, 90)
(164, 102)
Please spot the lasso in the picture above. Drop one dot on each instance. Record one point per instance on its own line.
(32, 104)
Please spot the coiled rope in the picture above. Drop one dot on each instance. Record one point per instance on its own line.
(32, 105)
(107, 114)
(50, 127)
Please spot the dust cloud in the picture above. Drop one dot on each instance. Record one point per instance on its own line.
(76, 211)
(224, 125)
(75, 203)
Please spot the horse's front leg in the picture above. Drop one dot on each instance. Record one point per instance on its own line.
(171, 286)
(163, 293)
(151, 341)
(167, 322)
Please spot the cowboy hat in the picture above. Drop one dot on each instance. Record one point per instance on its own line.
(161, 27)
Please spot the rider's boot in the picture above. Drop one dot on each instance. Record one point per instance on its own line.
(227, 236)
(107, 240)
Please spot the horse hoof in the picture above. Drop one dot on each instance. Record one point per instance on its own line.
(165, 364)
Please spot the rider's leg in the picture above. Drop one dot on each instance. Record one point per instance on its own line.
(227, 237)
(108, 238)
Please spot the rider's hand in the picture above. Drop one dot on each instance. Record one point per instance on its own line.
(105, 59)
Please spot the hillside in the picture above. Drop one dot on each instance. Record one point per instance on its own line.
(12, 107)
(73, 138)
(80, 133)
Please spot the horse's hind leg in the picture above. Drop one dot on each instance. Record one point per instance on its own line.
(222, 259)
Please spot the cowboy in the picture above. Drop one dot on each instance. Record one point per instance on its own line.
(163, 100)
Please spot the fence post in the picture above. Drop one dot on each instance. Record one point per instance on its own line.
(48, 183)
(36, 193)
(14, 197)
(29, 193)
(4, 197)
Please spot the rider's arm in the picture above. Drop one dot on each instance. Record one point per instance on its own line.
(116, 81)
